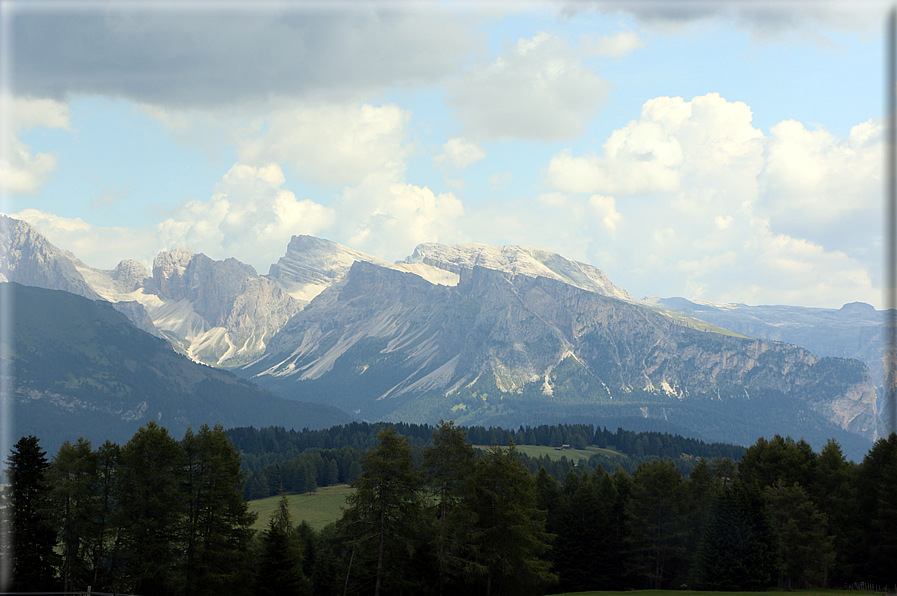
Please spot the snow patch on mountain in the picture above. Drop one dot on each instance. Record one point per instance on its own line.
(517, 260)
(312, 264)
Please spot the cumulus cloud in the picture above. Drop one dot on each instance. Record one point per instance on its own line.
(606, 209)
(538, 89)
(21, 170)
(498, 180)
(250, 214)
(99, 247)
(692, 196)
(817, 183)
(672, 138)
(204, 55)
(388, 217)
(460, 154)
(334, 144)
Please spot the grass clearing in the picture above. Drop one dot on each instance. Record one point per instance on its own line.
(318, 508)
(551, 452)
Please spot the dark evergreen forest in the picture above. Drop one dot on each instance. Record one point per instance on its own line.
(300, 461)
(433, 515)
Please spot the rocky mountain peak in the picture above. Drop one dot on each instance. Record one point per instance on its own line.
(27, 257)
(129, 275)
(311, 264)
(517, 260)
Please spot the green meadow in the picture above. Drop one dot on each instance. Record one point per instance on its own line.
(551, 452)
(318, 508)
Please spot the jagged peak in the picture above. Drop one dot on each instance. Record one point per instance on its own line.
(517, 260)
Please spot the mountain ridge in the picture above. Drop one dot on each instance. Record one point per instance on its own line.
(460, 323)
(82, 369)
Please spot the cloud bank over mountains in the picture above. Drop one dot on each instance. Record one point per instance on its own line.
(382, 127)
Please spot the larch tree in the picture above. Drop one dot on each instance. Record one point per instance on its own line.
(383, 514)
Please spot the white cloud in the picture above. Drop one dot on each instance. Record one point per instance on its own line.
(460, 154)
(27, 113)
(814, 182)
(21, 171)
(250, 216)
(616, 45)
(388, 217)
(331, 144)
(539, 89)
(708, 207)
(723, 222)
(99, 247)
(498, 180)
(672, 138)
(606, 209)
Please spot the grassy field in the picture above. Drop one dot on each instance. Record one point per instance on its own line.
(318, 508)
(693, 593)
(571, 454)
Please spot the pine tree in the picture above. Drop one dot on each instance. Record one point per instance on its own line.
(584, 549)
(739, 548)
(805, 548)
(75, 490)
(509, 536)
(383, 514)
(448, 465)
(280, 570)
(151, 511)
(218, 523)
(33, 556)
(657, 517)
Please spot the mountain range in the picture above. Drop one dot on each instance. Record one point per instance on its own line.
(489, 335)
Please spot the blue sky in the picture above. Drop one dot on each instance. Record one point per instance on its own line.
(720, 151)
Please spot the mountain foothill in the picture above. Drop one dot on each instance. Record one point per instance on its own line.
(483, 335)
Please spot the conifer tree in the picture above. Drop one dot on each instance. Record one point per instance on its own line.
(383, 515)
(77, 504)
(280, 570)
(584, 550)
(151, 511)
(34, 538)
(218, 523)
(448, 465)
(657, 517)
(739, 548)
(805, 548)
(509, 536)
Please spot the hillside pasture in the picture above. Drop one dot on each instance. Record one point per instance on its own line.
(318, 508)
(536, 451)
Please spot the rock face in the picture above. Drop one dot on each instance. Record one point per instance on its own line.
(218, 312)
(28, 258)
(517, 260)
(488, 335)
(509, 349)
(853, 331)
(312, 264)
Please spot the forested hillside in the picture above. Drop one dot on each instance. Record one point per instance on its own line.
(299, 461)
(431, 514)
